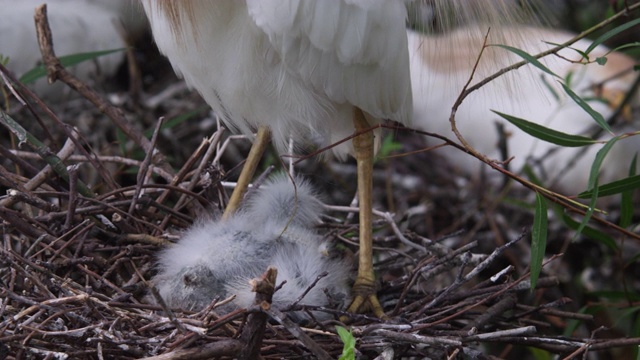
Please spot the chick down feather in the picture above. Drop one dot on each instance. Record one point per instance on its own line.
(217, 259)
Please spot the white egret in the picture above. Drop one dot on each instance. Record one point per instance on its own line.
(301, 68)
(216, 259)
(438, 78)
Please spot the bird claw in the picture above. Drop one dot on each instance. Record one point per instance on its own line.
(365, 300)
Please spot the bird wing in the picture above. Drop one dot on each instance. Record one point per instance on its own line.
(354, 51)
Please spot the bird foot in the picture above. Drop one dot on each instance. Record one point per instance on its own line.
(365, 300)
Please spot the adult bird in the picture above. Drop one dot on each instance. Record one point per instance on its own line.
(525, 94)
(303, 68)
(298, 68)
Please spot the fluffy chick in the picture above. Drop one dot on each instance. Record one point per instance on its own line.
(216, 259)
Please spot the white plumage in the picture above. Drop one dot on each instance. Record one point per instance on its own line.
(438, 78)
(299, 67)
(216, 259)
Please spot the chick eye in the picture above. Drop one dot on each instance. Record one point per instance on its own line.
(189, 279)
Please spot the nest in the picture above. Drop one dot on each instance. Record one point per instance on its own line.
(79, 244)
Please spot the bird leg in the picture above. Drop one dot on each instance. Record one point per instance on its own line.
(364, 289)
(250, 166)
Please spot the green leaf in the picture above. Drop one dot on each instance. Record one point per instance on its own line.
(531, 174)
(586, 107)
(616, 295)
(533, 61)
(602, 60)
(626, 46)
(348, 350)
(592, 206)
(389, 145)
(582, 54)
(175, 121)
(518, 202)
(590, 232)
(569, 78)
(597, 163)
(66, 61)
(635, 332)
(551, 89)
(121, 140)
(634, 259)
(626, 198)
(539, 354)
(538, 238)
(611, 33)
(546, 134)
(615, 187)
(572, 324)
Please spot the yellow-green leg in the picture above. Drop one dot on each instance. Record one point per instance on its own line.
(364, 289)
(250, 166)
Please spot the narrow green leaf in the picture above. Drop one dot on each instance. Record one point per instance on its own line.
(586, 107)
(580, 52)
(121, 139)
(632, 260)
(626, 46)
(597, 162)
(66, 61)
(175, 121)
(526, 56)
(546, 134)
(551, 89)
(569, 78)
(518, 202)
(538, 238)
(591, 233)
(531, 174)
(627, 314)
(635, 332)
(611, 33)
(570, 327)
(589, 213)
(626, 197)
(615, 187)
(539, 354)
(616, 295)
(593, 182)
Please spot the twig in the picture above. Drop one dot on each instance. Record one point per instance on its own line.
(143, 172)
(296, 331)
(219, 348)
(256, 321)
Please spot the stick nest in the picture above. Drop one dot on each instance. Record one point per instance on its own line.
(88, 207)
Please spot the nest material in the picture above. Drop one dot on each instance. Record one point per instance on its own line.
(75, 263)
